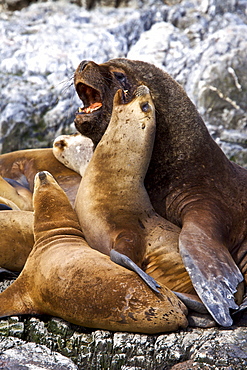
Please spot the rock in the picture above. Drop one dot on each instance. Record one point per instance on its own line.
(209, 59)
(200, 43)
(97, 349)
(18, 355)
(38, 100)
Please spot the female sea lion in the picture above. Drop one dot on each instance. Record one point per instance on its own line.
(162, 260)
(64, 277)
(16, 238)
(74, 151)
(22, 165)
(109, 215)
(112, 204)
(18, 169)
(15, 195)
(190, 181)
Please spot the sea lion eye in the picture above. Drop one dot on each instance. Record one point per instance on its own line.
(120, 77)
(146, 107)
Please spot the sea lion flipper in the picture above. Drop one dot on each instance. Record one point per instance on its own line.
(125, 261)
(212, 270)
(192, 302)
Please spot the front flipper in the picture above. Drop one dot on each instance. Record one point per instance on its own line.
(125, 261)
(212, 269)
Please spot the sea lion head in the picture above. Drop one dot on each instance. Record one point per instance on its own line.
(180, 132)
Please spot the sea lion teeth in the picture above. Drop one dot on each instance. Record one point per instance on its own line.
(93, 107)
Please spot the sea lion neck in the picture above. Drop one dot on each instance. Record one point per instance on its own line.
(183, 148)
(45, 226)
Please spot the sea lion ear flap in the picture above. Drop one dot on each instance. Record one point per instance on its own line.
(118, 98)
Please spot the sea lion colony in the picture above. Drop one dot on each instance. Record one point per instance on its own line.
(63, 268)
(189, 180)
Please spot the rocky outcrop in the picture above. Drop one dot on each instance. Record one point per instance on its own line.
(201, 44)
(212, 348)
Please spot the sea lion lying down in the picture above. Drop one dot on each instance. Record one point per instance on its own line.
(64, 277)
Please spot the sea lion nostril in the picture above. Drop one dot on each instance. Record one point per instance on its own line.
(42, 175)
(83, 65)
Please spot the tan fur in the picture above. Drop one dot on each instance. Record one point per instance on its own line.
(64, 277)
(17, 238)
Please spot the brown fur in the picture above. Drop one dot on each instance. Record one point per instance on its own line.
(189, 180)
(23, 165)
(64, 277)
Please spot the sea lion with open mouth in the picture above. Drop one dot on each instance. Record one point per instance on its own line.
(189, 180)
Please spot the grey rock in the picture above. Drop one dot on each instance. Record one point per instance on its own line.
(18, 355)
(98, 349)
(38, 100)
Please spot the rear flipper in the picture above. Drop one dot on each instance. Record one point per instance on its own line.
(125, 261)
(192, 302)
(213, 272)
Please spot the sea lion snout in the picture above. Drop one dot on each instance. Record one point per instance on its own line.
(42, 178)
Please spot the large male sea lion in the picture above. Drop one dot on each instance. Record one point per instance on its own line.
(64, 277)
(189, 180)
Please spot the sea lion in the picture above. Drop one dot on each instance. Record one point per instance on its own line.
(190, 181)
(112, 204)
(162, 260)
(16, 238)
(74, 151)
(22, 165)
(15, 195)
(64, 277)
